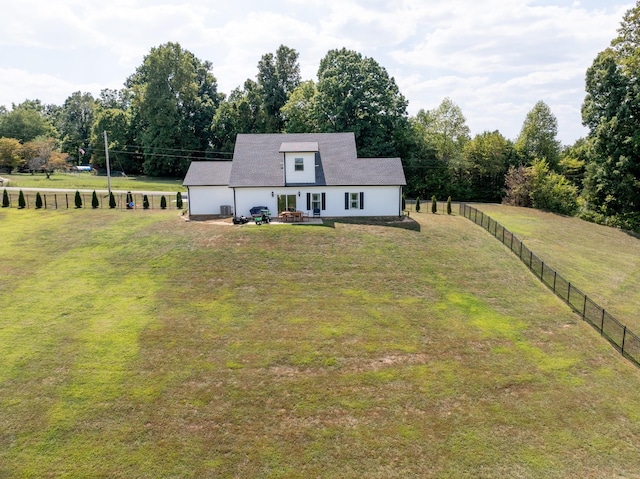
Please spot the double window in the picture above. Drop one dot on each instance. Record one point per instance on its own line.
(316, 201)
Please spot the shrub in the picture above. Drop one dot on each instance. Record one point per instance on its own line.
(21, 201)
(179, 200)
(434, 204)
(130, 203)
(112, 200)
(145, 202)
(78, 200)
(163, 202)
(449, 205)
(94, 200)
(38, 201)
(404, 203)
(5, 199)
(418, 204)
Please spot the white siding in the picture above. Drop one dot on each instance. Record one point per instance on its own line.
(307, 175)
(206, 200)
(378, 200)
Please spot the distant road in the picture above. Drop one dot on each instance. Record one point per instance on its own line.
(98, 191)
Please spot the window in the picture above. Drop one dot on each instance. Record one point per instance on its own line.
(299, 164)
(316, 201)
(354, 201)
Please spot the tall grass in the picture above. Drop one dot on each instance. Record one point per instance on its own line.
(146, 346)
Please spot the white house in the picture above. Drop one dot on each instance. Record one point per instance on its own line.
(296, 171)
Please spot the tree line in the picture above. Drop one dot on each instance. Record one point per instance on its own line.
(170, 112)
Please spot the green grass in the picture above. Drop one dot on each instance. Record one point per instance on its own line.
(602, 262)
(90, 182)
(146, 346)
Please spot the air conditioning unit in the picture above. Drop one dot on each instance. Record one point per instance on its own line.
(225, 210)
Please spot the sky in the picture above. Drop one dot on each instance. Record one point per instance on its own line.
(495, 59)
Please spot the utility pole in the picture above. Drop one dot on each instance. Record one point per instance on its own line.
(106, 153)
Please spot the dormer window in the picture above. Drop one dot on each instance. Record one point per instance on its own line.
(299, 164)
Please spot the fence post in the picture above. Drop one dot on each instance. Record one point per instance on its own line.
(602, 325)
(624, 337)
(511, 245)
(555, 273)
(584, 307)
(503, 235)
(569, 293)
(55, 200)
(45, 201)
(66, 195)
(530, 258)
(542, 271)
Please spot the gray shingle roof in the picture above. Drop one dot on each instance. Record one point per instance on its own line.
(208, 173)
(258, 158)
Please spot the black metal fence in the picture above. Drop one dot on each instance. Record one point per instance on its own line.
(624, 340)
(67, 200)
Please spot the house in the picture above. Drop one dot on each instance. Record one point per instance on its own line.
(296, 171)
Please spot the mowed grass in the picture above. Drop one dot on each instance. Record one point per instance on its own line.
(135, 344)
(603, 262)
(89, 181)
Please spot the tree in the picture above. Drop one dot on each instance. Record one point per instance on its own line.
(112, 200)
(145, 202)
(518, 186)
(611, 111)
(449, 205)
(298, 111)
(9, 154)
(552, 191)
(39, 154)
(5, 199)
(278, 76)
(21, 201)
(538, 136)
(38, 201)
(488, 157)
(434, 204)
(123, 154)
(356, 94)
(94, 200)
(179, 200)
(26, 121)
(74, 125)
(163, 202)
(175, 98)
(418, 204)
(78, 200)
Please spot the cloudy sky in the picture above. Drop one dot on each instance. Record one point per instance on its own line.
(493, 58)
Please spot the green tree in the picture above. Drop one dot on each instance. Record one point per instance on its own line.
(112, 200)
(538, 136)
(175, 98)
(10, 158)
(21, 201)
(356, 94)
(552, 191)
(611, 111)
(434, 204)
(418, 204)
(163, 202)
(74, 125)
(145, 202)
(179, 200)
(518, 186)
(488, 157)
(5, 199)
(26, 121)
(298, 111)
(278, 76)
(78, 200)
(94, 200)
(123, 154)
(449, 205)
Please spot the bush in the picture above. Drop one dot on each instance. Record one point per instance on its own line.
(94, 200)
(145, 202)
(418, 204)
(404, 203)
(434, 204)
(163, 202)
(38, 201)
(112, 200)
(78, 200)
(21, 201)
(449, 205)
(5, 199)
(179, 200)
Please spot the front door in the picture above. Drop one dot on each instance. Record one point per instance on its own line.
(286, 203)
